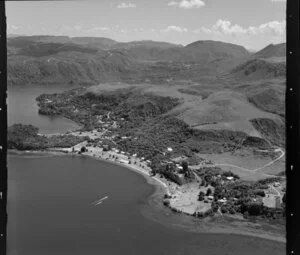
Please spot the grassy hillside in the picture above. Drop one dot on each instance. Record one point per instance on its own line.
(259, 69)
(277, 50)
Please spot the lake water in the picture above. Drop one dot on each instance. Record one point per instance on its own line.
(22, 108)
(50, 210)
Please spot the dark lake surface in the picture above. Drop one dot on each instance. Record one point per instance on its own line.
(50, 208)
(22, 108)
(50, 212)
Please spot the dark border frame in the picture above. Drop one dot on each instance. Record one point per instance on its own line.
(292, 128)
(3, 129)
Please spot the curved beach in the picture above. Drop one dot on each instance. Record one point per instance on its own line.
(220, 225)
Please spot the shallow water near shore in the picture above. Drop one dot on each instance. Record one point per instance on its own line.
(51, 212)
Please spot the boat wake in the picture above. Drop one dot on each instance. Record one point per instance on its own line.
(99, 201)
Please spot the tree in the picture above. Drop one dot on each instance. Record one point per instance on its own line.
(254, 209)
(185, 166)
(214, 207)
(201, 196)
(208, 192)
(83, 149)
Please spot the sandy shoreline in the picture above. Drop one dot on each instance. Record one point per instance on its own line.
(161, 188)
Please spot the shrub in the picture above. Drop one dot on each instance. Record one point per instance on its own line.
(224, 209)
(231, 210)
(166, 202)
(260, 193)
(200, 214)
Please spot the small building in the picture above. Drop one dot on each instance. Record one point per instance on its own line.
(122, 152)
(180, 167)
(210, 197)
(134, 155)
(230, 178)
(169, 149)
(222, 200)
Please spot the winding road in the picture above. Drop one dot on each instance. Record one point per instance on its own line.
(260, 168)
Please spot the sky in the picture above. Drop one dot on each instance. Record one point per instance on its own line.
(251, 23)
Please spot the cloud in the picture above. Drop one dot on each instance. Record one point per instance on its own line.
(13, 27)
(174, 29)
(276, 28)
(98, 29)
(224, 27)
(187, 4)
(126, 5)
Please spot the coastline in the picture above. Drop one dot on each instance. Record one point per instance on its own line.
(189, 223)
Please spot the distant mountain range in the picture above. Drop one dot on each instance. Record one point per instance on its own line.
(91, 60)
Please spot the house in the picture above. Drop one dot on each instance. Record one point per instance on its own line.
(122, 152)
(180, 167)
(169, 149)
(210, 197)
(222, 200)
(230, 178)
(134, 155)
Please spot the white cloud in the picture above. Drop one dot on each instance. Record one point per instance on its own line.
(14, 27)
(172, 3)
(97, 29)
(274, 28)
(187, 4)
(174, 29)
(126, 5)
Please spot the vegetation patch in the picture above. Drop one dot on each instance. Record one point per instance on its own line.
(26, 137)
